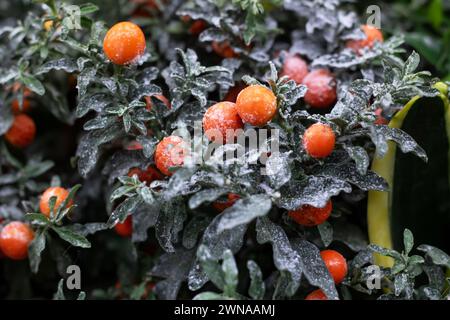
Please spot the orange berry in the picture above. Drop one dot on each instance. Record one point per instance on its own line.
(149, 175)
(170, 152)
(372, 35)
(222, 205)
(160, 97)
(48, 25)
(319, 140)
(316, 295)
(336, 264)
(61, 194)
(311, 216)
(15, 238)
(380, 119)
(295, 68)
(256, 105)
(224, 49)
(197, 27)
(219, 119)
(22, 132)
(145, 8)
(233, 92)
(321, 91)
(125, 229)
(124, 43)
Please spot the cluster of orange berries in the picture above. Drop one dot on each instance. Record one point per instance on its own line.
(23, 129)
(16, 236)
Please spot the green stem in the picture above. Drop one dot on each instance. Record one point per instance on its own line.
(52, 5)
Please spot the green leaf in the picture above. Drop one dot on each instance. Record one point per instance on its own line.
(438, 256)
(209, 296)
(257, 287)
(35, 250)
(123, 210)
(415, 259)
(211, 267)
(408, 241)
(360, 156)
(73, 238)
(37, 218)
(88, 8)
(385, 252)
(230, 272)
(122, 191)
(81, 296)
(59, 295)
(411, 64)
(33, 84)
(64, 208)
(326, 233)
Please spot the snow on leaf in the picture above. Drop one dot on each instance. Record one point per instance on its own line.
(96, 102)
(88, 148)
(192, 231)
(207, 195)
(6, 118)
(404, 141)
(360, 156)
(284, 256)
(169, 224)
(314, 268)
(216, 243)
(174, 268)
(314, 191)
(347, 172)
(35, 250)
(244, 211)
(66, 64)
(438, 256)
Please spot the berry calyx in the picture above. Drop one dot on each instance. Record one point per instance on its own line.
(295, 68)
(336, 264)
(222, 205)
(311, 216)
(316, 295)
(221, 121)
(372, 35)
(319, 140)
(124, 43)
(321, 91)
(15, 238)
(256, 105)
(61, 195)
(22, 132)
(125, 229)
(170, 152)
